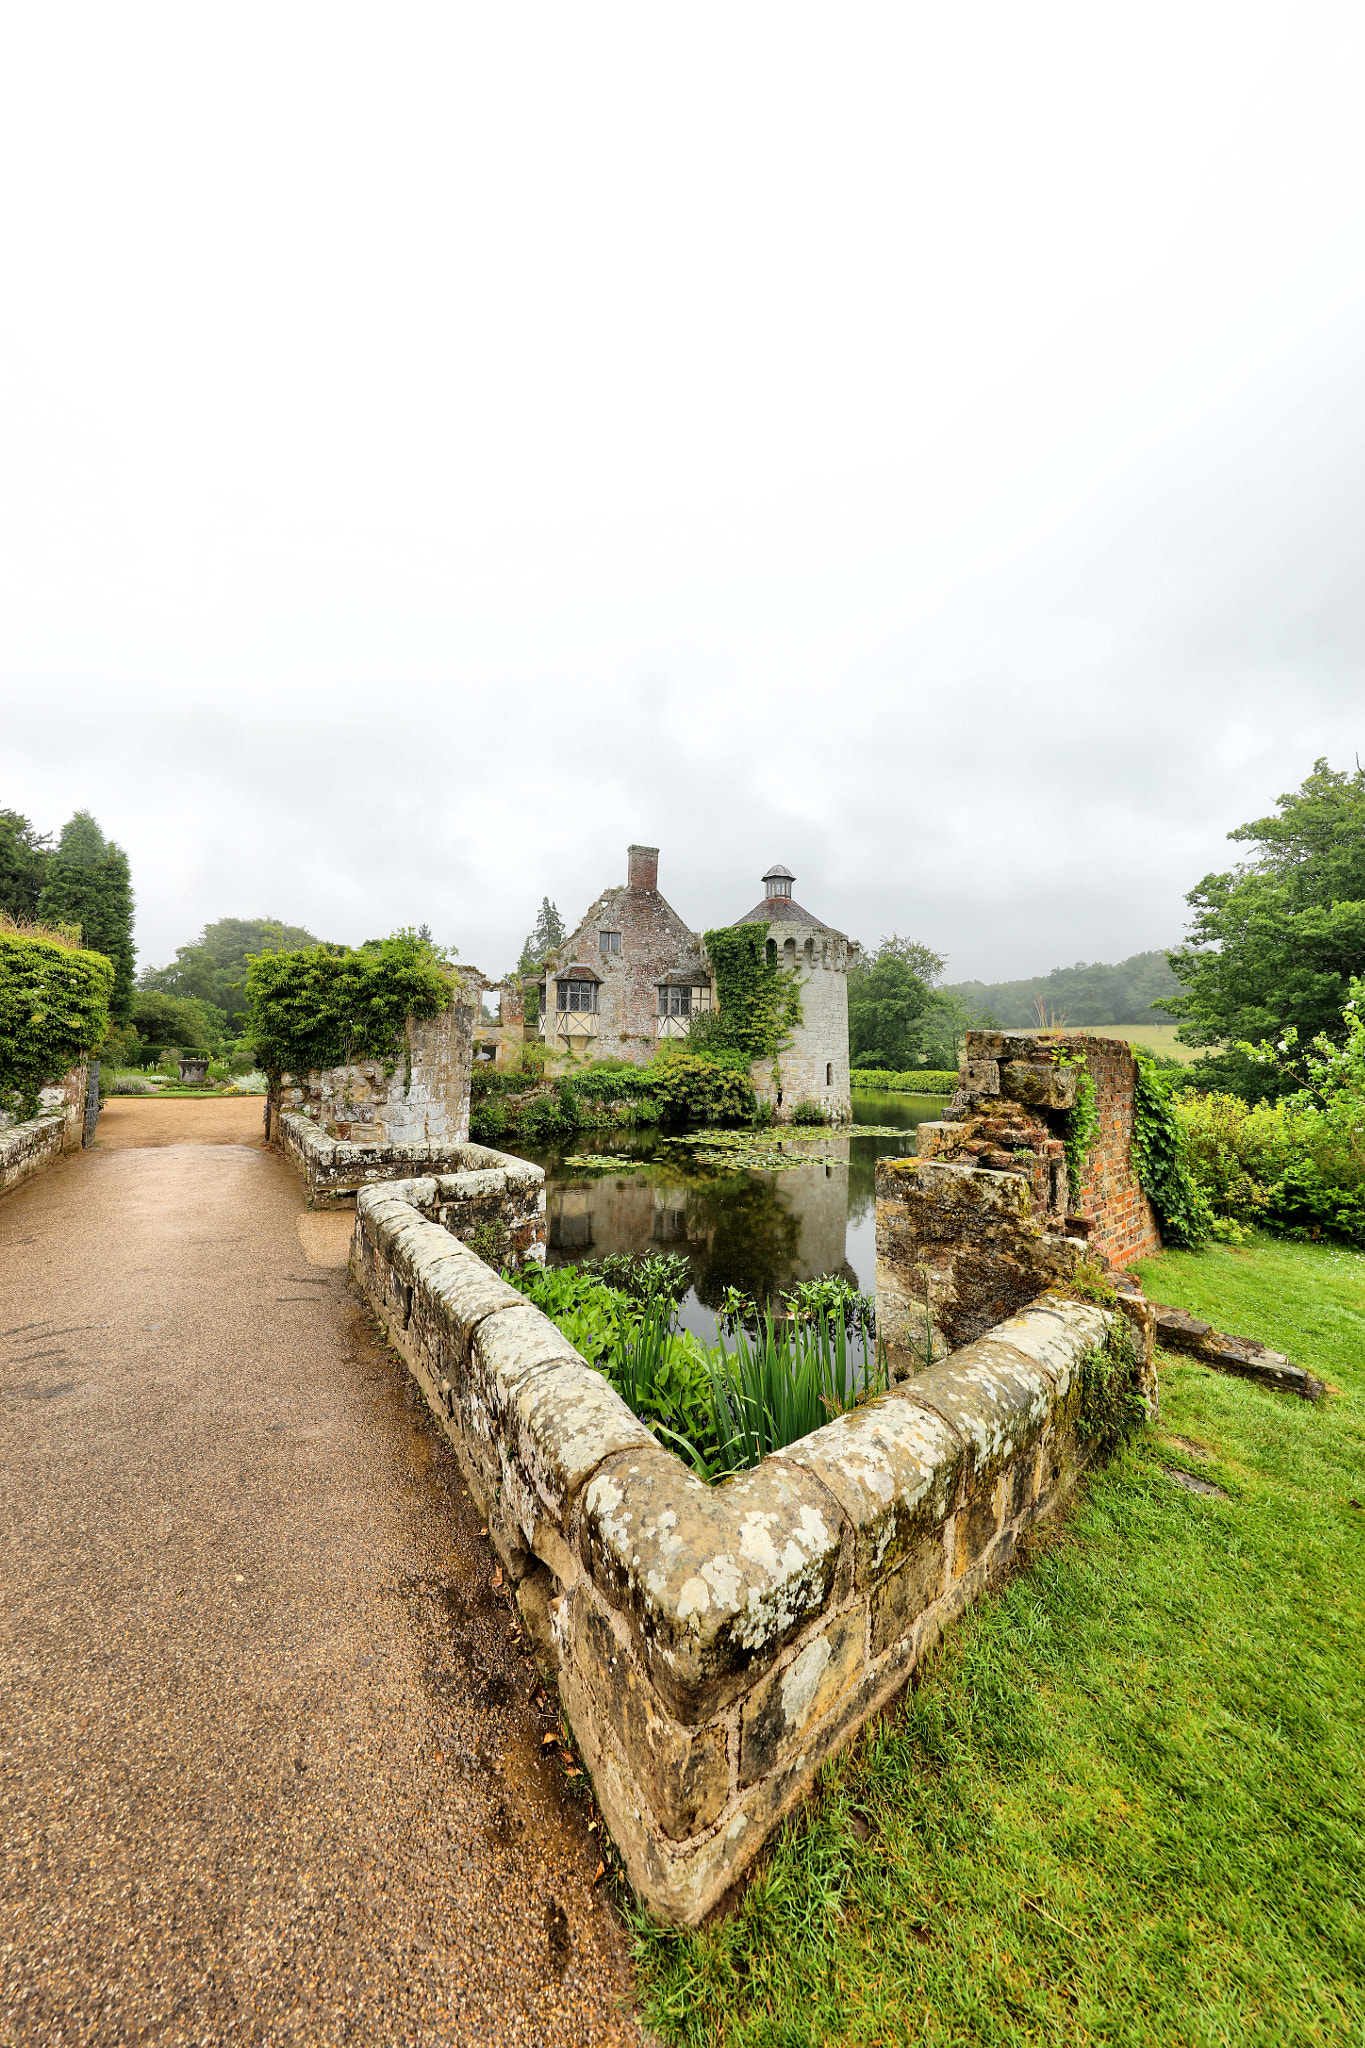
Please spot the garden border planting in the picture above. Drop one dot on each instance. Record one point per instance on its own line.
(714, 1644)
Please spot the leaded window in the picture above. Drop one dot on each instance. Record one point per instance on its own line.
(609, 942)
(578, 995)
(675, 1001)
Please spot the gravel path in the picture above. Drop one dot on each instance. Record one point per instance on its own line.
(269, 1766)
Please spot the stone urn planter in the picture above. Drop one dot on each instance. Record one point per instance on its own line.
(193, 1072)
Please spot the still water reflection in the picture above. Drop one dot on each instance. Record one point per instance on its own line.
(755, 1230)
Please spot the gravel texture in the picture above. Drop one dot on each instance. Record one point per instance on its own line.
(270, 1767)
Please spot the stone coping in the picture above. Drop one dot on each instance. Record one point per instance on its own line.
(27, 1148)
(713, 1644)
(337, 1167)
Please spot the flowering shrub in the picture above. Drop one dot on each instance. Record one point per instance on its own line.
(1296, 1164)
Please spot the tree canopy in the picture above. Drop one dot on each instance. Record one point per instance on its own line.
(23, 864)
(1275, 942)
(213, 968)
(180, 1021)
(86, 882)
(898, 1015)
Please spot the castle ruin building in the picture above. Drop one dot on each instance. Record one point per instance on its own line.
(631, 974)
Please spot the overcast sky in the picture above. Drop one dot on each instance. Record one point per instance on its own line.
(919, 444)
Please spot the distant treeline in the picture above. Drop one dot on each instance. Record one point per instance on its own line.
(1093, 994)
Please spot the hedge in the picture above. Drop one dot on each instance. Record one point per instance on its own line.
(914, 1081)
(54, 1012)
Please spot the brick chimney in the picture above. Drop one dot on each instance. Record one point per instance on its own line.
(642, 867)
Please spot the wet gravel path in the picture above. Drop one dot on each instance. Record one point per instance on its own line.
(270, 1768)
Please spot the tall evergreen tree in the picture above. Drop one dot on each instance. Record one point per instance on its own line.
(87, 883)
(23, 864)
(549, 933)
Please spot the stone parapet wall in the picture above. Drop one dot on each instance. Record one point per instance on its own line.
(25, 1149)
(713, 1645)
(334, 1171)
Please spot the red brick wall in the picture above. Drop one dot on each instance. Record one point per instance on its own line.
(1124, 1221)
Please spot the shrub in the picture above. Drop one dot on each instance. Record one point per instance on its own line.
(690, 1089)
(330, 1004)
(54, 1011)
(808, 1112)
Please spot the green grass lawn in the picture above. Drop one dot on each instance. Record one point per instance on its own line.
(1127, 1802)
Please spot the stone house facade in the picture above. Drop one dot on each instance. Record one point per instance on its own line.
(633, 974)
(630, 975)
(814, 1067)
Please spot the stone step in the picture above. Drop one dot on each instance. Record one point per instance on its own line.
(1179, 1331)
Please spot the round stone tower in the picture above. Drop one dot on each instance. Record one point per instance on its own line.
(814, 1067)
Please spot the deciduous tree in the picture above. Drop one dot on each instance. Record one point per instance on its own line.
(1276, 941)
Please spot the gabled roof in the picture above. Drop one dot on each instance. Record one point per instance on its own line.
(577, 970)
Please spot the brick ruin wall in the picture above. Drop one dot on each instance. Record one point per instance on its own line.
(1121, 1222)
(713, 1645)
(980, 1222)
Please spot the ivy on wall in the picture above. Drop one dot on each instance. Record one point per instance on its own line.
(760, 1002)
(54, 1011)
(330, 1005)
(1082, 1126)
(1160, 1157)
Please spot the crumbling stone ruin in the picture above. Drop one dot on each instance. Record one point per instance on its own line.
(347, 1126)
(981, 1222)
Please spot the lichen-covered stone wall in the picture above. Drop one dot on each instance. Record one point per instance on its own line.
(25, 1149)
(422, 1101)
(713, 1645)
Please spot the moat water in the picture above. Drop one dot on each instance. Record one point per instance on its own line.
(737, 1226)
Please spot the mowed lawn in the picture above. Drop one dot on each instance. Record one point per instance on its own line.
(1127, 1801)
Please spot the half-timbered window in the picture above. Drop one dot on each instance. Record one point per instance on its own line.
(675, 1002)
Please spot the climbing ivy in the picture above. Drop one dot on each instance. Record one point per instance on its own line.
(1082, 1125)
(329, 1005)
(54, 1011)
(760, 1002)
(1111, 1407)
(1159, 1155)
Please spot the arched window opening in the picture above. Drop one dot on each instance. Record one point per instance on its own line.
(824, 952)
(810, 952)
(789, 951)
(772, 952)
(829, 1073)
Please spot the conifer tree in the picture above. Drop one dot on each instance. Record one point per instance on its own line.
(23, 864)
(87, 883)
